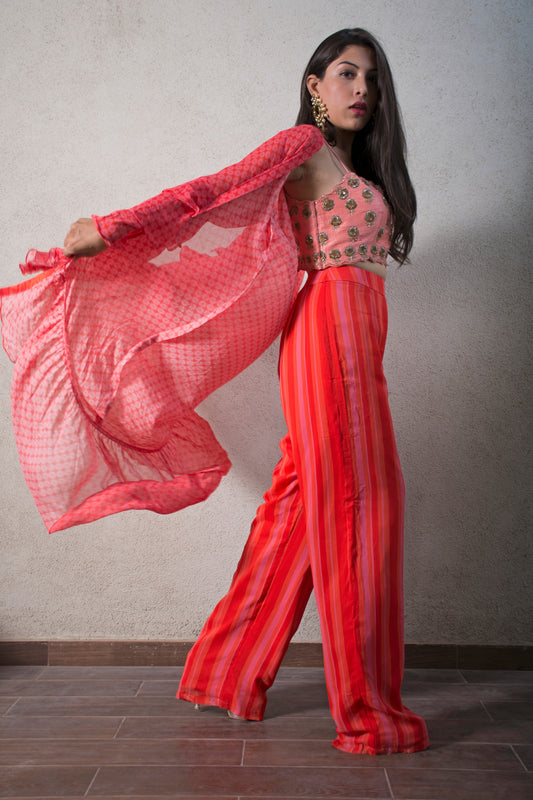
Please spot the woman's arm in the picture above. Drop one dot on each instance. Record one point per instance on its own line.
(162, 218)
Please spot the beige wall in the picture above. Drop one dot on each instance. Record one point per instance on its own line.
(106, 103)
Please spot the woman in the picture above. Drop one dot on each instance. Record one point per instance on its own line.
(333, 518)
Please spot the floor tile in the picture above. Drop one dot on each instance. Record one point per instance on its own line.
(208, 726)
(148, 797)
(110, 673)
(310, 700)
(410, 784)
(95, 706)
(449, 756)
(301, 674)
(25, 688)
(471, 692)
(6, 703)
(457, 730)
(506, 676)
(33, 752)
(45, 781)
(28, 727)
(159, 689)
(14, 672)
(65, 723)
(447, 708)
(525, 753)
(506, 711)
(433, 676)
(154, 797)
(252, 781)
(462, 692)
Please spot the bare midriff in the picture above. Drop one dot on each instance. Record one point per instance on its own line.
(371, 266)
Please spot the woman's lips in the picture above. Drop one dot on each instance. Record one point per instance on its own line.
(359, 109)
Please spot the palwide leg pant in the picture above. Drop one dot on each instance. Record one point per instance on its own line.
(332, 521)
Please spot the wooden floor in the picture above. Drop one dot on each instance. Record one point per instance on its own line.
(118, 732)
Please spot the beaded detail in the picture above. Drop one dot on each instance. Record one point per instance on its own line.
(357, 230)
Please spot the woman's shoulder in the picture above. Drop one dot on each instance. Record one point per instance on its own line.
(312, 165)
(299, 136)
(287, 150)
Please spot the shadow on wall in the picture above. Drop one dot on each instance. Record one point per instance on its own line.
(458, 364)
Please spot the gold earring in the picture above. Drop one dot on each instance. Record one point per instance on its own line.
(319, 111)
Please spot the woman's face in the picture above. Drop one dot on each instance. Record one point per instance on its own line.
(349, 88)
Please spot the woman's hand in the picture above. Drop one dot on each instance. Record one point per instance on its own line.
(83, 239)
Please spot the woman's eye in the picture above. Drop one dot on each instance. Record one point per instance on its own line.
(347, 73)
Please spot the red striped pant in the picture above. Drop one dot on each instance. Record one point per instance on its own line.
(332, 521)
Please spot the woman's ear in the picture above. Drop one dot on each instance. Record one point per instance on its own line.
(312, 84)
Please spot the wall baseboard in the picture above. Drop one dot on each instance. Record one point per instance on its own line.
(300, 654)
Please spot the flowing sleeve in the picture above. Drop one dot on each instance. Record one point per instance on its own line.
(113, 354)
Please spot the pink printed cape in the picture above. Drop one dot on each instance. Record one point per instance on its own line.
(112, 354)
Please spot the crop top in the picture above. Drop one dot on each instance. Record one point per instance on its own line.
(350, 224)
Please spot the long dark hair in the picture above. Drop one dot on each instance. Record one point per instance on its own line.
(378, 151)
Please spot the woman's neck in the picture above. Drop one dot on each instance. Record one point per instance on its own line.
(343, 146)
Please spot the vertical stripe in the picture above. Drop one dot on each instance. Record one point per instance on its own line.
(333, 520)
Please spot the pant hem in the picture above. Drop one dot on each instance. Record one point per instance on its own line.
(220, 702)
(365, 749)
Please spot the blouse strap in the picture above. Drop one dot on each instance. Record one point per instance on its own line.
(337, 159)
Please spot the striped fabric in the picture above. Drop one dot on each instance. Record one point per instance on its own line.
(332, 521)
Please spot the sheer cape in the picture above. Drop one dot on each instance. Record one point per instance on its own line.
(112, 354)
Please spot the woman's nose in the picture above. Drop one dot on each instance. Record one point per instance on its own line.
(361, 88)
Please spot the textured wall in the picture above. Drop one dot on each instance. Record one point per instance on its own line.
(106, 103)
